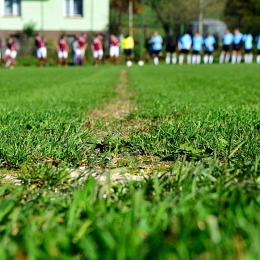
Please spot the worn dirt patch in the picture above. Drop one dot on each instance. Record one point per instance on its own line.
(118, 107)
(112, 116)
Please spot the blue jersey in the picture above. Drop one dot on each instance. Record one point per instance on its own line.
(257, 39)
(248, 41)
(185, 42)
(209, 43)
(227, 38)
(237, 38)
(197, 42)
(157, 42)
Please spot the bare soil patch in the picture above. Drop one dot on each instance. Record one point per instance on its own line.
(118, 107)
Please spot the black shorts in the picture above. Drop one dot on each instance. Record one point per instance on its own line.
(208, 52)
(128, 52)
(171, 49)
(184, 51)
(150, 51)
(195, 52)
(248, 50)
(226, 48)
(236, 47)
(258, 52)
(156, 52)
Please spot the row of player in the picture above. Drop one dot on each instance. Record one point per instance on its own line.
(153, 45)
(192, 47)
(79, 46)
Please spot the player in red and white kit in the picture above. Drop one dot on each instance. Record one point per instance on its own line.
(40, 44)
(1, 46)
(63, 50)
(10, 53)
(114, 48)
(97, 49)
(82, 46)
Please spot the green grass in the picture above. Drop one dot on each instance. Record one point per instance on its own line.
(203, 109)
(195, 131)
(43, 112)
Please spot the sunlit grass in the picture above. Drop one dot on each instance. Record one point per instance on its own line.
(196, 127)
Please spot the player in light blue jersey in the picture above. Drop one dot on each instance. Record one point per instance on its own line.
(227, 40)
(197, 43)
(237, 42)
(157, 41)
(257, 39)
(248, 43)
(209, 42)
(184, 45)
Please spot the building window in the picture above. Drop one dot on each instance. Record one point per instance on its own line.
(74, 7)
(12, 7)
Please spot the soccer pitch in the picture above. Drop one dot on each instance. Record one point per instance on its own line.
(152, 162)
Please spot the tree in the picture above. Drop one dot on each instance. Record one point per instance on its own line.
(170, 13)
(176, 12)
(29, 29)
(119, 7)
(243, 14)
(123, 5)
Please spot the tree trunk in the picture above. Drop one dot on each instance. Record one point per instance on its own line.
(201, 16)
(160, 16)
(166, 28)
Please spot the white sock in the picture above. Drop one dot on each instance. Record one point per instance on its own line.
(221, 58)
(193, 59)
(189, 59)
(210, 59)
(181, 59)
(8, 63)
(258, 59)
(234, 57)
(156, 60)
(174, 58)
(246, 58)
(198, 59)
(227, 57)
(168, 58)
(250, 58)
(206, 59)
(239, 58)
